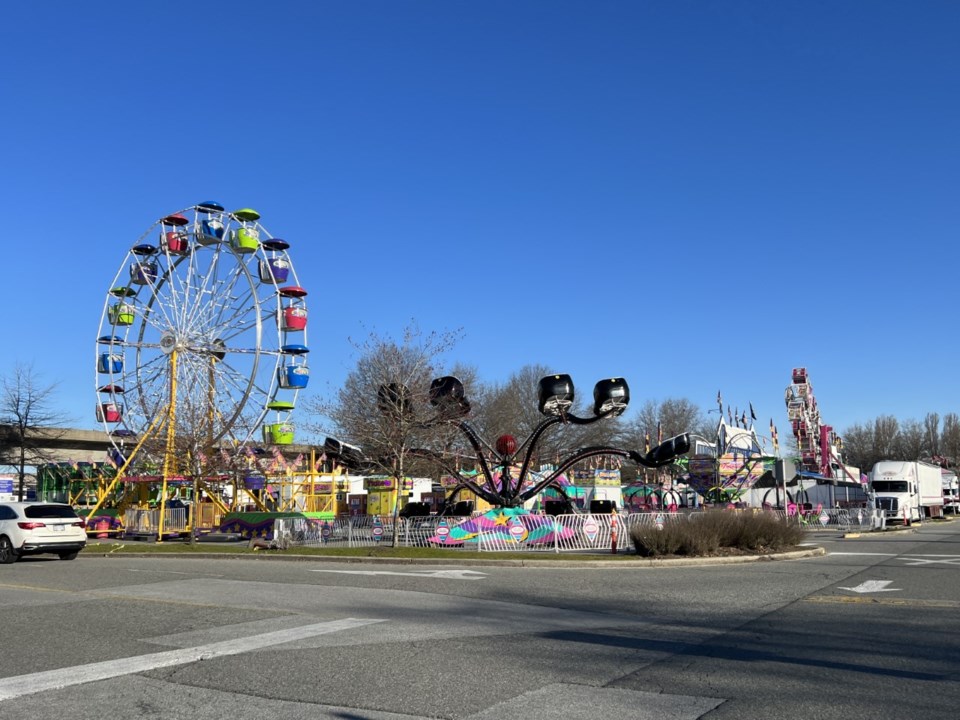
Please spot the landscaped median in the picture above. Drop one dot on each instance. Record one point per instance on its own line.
(718, 533)
(706, 538)
(432, 556)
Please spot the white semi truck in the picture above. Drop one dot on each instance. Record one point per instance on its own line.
(907, 491)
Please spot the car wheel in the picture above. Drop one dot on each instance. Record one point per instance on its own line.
(69, 555)
(7, 552)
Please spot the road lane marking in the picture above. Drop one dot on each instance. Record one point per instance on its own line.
(864, 599)
(911, 560)
(872, 586)
(20, 685)
(172, 572)
(445, 574)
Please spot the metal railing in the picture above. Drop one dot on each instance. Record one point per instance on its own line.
(842, 519)
(148, 521)
(524, 533)
(530, 533)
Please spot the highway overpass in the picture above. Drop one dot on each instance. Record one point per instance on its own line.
(74, 445)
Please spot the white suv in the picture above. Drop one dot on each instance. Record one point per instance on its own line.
(31, 528)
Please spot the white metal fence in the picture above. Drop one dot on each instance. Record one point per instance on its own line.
(148, 521)
(841, 519)
(531, 533)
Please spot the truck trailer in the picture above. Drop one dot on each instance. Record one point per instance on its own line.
(907, 491)
(951, 491)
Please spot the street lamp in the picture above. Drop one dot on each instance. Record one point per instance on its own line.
(555, 399)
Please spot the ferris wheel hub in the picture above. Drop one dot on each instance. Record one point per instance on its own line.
(168, 343)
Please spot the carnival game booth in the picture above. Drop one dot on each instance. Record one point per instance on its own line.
(383, 493)
(461, 500)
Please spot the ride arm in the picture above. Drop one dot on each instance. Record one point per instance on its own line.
(661, 455)
(488, 495)
(474, 440)
(531, 442)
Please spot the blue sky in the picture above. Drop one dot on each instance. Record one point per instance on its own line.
(697, 196)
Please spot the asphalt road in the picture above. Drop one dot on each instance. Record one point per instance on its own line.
(869, 631)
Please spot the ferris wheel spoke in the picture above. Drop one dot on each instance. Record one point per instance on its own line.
(241, 304)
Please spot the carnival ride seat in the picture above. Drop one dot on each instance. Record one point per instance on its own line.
(602, 507)
(462, 508)
(415, 509)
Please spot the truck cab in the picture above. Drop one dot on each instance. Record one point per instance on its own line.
(897, 499)
(907, 491)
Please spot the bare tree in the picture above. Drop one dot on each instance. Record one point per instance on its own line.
(885, 431)
(384, 405)
(931, 428)
(511, 409)
(950, 438)
(663, 419)
(858, 447)
(31, 419)
(911, 442)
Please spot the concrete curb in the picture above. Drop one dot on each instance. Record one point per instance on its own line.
(579, 564)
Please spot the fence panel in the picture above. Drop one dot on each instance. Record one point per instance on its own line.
(523, 533)
(841, 519)
(148, 521)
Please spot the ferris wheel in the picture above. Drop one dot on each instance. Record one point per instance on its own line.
(203, 331)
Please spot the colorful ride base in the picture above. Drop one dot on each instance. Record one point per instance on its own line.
(503, 524)
(104, 524)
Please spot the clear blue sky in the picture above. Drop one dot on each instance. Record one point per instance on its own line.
(697, 196)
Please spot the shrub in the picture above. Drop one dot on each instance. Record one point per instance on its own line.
(706, 533)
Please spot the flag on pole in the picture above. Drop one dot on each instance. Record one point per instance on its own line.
(753, 415)
(720, 402)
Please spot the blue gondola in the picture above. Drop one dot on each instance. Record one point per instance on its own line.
(110, 363)
(294, 377)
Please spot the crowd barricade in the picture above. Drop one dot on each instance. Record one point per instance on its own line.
(525, 533)
(841, 519)
(147, 521)
(522, 533)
